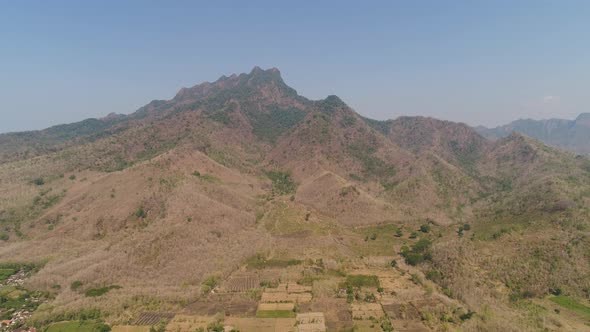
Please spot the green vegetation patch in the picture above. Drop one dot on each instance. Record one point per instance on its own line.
(79, 326)
(360, 280)
(5, 273)
(25, 267)
(381, 126)
(419, 252)
(94, 292)
(378, 239)
(269, 126)
(260, 262)
(275, 314)
(14, 298)
(75, 285)
(573, 305)
(210, 283)
(282, 183)
(206, 177)
(373, 167)
(282, 219)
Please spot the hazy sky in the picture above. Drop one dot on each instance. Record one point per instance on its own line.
(480, 62)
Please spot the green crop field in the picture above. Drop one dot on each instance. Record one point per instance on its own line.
(79, 326)
(573, 305)
(275, 314)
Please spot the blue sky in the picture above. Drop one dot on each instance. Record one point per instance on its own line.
(479, 62)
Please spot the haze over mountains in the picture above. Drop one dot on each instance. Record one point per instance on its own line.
(571, 135)
(230, 175)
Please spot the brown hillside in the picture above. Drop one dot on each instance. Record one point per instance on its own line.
(243, 171)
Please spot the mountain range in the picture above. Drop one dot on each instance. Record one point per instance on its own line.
(245, 178)
(571, 135)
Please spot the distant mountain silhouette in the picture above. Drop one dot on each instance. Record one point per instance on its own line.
(571, 135)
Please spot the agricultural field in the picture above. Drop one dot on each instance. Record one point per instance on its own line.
(130, 328)
(78, 326)
(572, 305)
(262, 324)
(153, 318)
(189, 323)
(241, 283)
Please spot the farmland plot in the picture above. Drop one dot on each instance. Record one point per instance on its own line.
(311, 322)
(241, 283)
(189, 323)
(364, 311)
(262, 324)
(290, 292)
(152, 318)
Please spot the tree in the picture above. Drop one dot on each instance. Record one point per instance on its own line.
(419, 253)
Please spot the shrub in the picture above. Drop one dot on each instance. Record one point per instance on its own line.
(140, 213)
(370, 297)
(282, 183)
(215, 327)
(101, 327)
(4, 237)
(72, 177)
(161, 327)
(425, 228)
(419, 253)
(413, 258)
(94, 292)
(413, 235)
(209, 284)
(467, 315)
(386, 326)
(38, 181)
(349, 294)
(393, 263)
(399, 233)
(75, 285)
(434, 275)
(269, 284)
(466, 227)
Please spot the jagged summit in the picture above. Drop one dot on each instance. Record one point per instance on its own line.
(257, 78)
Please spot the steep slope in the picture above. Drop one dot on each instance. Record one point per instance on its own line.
(571, 135)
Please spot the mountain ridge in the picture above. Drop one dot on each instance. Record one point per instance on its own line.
(571, 135)
(244, 169)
